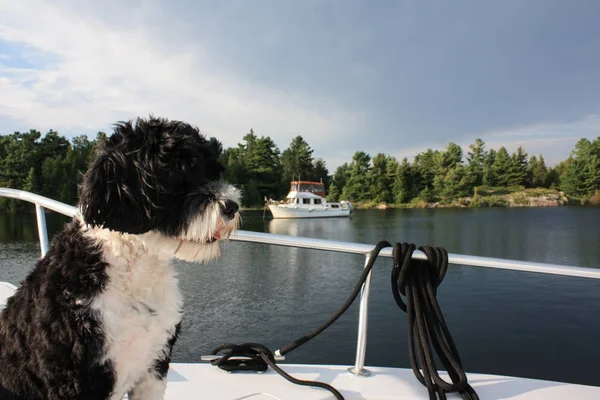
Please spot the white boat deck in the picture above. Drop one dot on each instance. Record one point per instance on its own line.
(6, 290)
(204, 381)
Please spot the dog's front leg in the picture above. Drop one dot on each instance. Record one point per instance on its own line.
(153, 384)
(150, 387)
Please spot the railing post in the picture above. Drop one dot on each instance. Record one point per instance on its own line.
(42, 230)
(361, 345)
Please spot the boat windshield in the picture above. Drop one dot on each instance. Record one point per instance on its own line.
(311, 187)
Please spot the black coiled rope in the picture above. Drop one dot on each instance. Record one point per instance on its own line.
(417, 281)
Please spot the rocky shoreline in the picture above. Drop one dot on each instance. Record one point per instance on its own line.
(510, 200)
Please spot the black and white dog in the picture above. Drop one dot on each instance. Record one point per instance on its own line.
(98, 316)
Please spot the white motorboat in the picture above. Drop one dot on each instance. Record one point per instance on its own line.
(307, 199)
(191, 381)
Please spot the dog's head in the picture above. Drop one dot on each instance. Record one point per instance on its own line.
(161, 177)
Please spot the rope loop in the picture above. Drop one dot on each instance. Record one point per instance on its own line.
(417, 281)
(253, 353)
(414, 280)
(258, 358)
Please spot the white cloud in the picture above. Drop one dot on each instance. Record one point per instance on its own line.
(86, 70)
(103, 73)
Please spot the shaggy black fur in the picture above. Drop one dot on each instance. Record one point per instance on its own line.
(153, 174)
(149, 175)
(49, 344)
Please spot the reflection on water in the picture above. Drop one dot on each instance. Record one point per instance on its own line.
(310, 227)
(503, 322)
(17, 228)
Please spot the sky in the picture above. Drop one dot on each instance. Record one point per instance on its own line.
(395, 77)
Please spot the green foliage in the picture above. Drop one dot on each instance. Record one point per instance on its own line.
(539, 191)
(488, 201)
(502, 168)
(476, 163)
(424, 168)
(451, 179)
(251, 193)
(358, 185)
(338, 182)
(52, 166)
(580, 174)
(256, 167)
(49, 165)
(517, 174)
(498, 190)
(321, 173)
(403, 186)
(297, 161)
(380, 187)
(489, 174)
(538, 174)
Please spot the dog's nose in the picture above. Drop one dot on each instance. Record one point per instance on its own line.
(229, 208)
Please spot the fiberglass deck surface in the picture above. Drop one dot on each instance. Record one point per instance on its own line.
(203, 381)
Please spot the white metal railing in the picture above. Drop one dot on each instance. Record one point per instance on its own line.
(41, 203)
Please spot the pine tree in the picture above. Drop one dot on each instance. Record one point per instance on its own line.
(502, 167)
(476, 158)
(256, 165)
(380, 190)
(452, 157)
(424, 168)
(517, 175)
(539, 173)
(31, 184)
(404, 187)
(390, 173)
(531, 166)
(581, 172)
(297, 161)
(338, 182)
(449, 178)
(489, 174)
(321, 173)
(357, 187)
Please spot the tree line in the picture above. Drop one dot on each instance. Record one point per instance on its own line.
(52, 166)
(442, 175)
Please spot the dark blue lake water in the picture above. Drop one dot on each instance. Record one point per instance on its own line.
(503, 322)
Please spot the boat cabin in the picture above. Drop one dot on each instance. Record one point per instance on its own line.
(317, 188)
(304, 198)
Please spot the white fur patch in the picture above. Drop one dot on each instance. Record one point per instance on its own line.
(149, 388)
(142, 304)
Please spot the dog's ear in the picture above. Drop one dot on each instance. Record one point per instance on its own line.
(215, 146)
(110, 196)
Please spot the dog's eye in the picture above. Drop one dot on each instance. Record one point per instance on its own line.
(181, 166)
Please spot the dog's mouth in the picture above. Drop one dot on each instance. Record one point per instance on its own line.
(214, 238)
(224, 229)
(211, 240)
(205, 247)
(223, 232)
